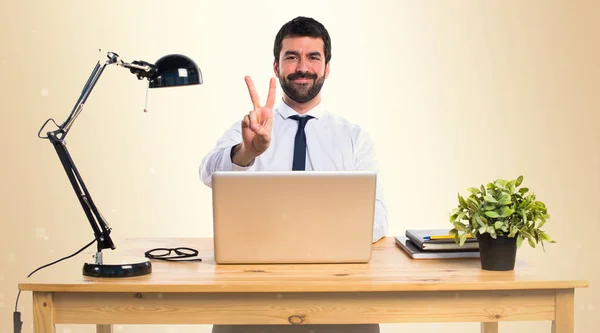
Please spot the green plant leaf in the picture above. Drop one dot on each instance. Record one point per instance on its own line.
(473, 199)
(489, 207)
(473, 190)
(460, 226)
(483, 193)
(473, 206)
(482, 230)
(506, 212)
(504, 199)
(544, 236)
(523, 190)
(479, 220)
(519, 240)
(543, 221)
(501, 183)
(461, 201)
(531, 243)
(514, 221)
(519, 181)
(526, 233)
(492, 214)
(498, 224)
(463, 238)
(490, 198)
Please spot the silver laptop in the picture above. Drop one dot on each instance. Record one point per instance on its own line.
(264, 217)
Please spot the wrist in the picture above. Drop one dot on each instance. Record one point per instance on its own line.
(241, 156)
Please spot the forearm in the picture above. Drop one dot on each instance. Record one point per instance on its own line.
(219, 158)
(367, 161)
(380, 222)
(213, 161)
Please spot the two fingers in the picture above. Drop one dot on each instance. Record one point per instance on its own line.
(254, 94)
(252, 119)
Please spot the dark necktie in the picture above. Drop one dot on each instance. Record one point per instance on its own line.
(300, 143)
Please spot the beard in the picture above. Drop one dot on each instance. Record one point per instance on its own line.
(301, 93)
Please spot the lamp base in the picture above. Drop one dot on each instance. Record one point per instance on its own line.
(119, 270)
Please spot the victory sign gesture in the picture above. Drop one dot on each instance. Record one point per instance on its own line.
(256, 126)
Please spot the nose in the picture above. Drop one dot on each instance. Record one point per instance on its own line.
(302, 65)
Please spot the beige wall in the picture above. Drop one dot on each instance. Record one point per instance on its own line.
(455, 94)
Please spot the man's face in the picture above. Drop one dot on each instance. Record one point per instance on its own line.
(302, 70)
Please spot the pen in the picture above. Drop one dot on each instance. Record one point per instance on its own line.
(442, 237)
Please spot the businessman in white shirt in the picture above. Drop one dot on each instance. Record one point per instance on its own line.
(298, 134)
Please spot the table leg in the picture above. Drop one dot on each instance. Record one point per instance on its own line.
(43, 313)
(104, 329)
(564, 321)
(489, 327)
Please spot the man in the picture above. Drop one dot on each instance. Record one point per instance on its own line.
(300, 134)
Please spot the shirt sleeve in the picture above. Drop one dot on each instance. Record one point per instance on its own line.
(365, 160)
(219, 158)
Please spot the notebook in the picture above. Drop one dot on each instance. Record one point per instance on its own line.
(425, 239)
(264, 217)
(416, 253)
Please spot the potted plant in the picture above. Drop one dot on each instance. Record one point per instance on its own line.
(501, 215)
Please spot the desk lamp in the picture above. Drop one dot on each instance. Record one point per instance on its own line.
(169, 71)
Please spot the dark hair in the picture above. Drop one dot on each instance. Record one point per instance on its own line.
(303, 27)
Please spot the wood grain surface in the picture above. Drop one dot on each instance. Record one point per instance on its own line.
(389, 270)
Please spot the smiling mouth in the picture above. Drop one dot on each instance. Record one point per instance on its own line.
(302, 81)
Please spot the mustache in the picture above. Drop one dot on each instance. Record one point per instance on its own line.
(302, 75)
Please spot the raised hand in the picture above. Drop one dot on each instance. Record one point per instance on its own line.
(256, 126)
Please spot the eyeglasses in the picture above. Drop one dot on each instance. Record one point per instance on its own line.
(182, 253)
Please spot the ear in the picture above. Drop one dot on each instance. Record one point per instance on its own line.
(327, 69)
(276, 68)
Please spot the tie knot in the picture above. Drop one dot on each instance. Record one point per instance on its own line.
(301, 120)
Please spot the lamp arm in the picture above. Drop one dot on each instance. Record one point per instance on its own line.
(141, 69)
(99, 225)
(57, 137)
(85, 93)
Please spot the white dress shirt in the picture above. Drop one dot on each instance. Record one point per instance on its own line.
(332, 144)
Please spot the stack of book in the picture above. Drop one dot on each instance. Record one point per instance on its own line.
(436, 244)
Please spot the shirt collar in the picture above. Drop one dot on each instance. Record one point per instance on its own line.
(285, 111)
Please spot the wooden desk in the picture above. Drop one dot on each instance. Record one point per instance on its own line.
(390, 289)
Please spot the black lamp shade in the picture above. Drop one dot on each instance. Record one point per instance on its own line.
(175, 70)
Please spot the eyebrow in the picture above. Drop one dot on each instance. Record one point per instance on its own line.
(315, 53)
